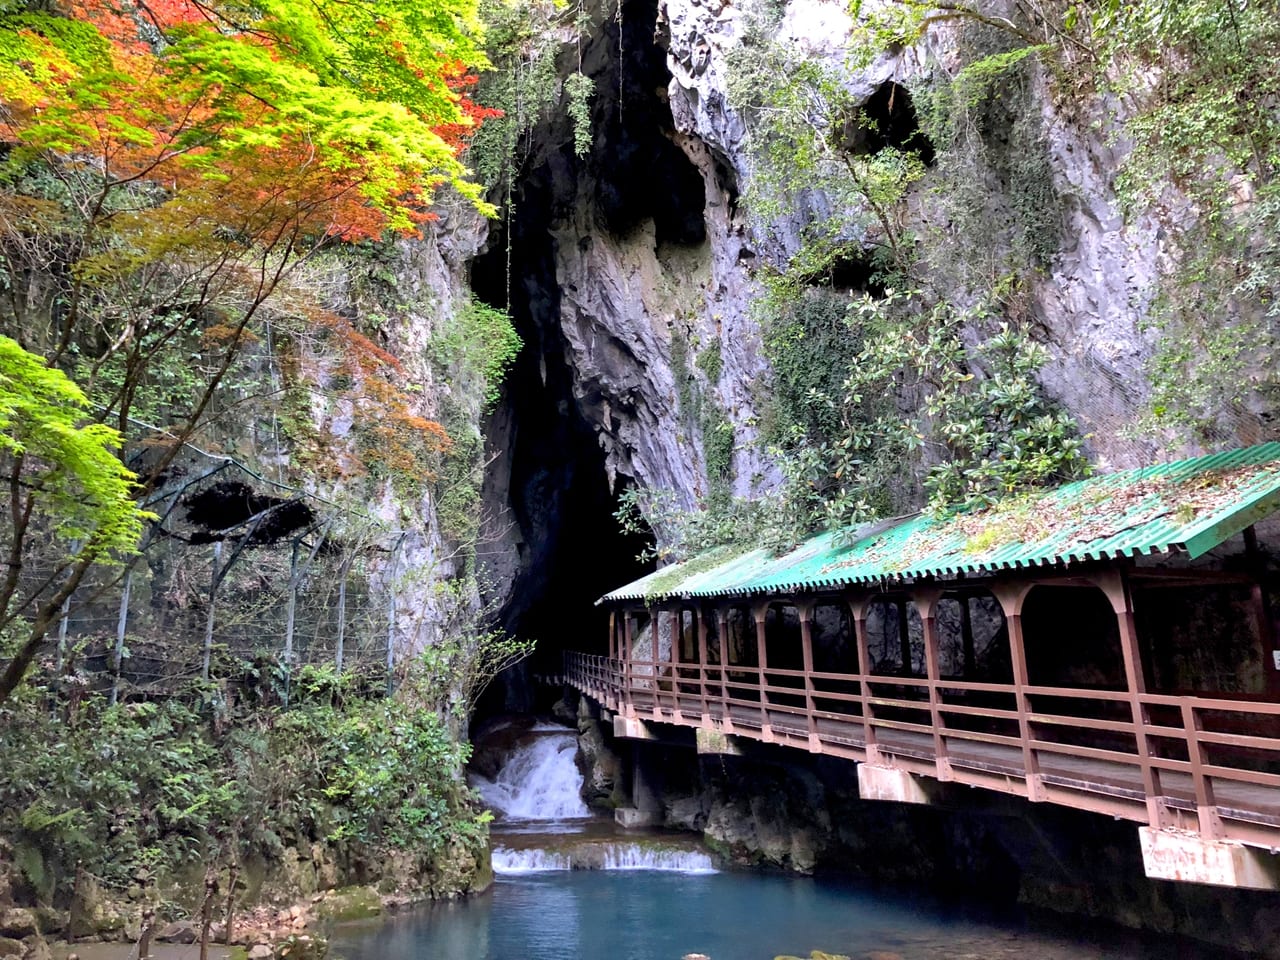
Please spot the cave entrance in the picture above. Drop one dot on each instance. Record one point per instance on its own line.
(569, 547)
(560, 498)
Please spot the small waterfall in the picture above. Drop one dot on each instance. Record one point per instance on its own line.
(609, 855)
(507, 861)
(539, 781)
(543, 825)
(635, 856)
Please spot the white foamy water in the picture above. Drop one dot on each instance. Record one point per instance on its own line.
(539, 781)
(635, 856)
(508, 862)
(601, 856)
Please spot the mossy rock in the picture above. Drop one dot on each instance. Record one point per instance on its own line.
(350, 903)
(18, 922)
(483, 878)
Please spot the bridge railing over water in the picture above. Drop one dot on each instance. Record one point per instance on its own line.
(1201, 764)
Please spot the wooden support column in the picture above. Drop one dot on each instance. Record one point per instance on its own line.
(1266, 637)
(655, 657)
(722, 632)
(677, 641)
(1262, 611)
(904, 638)
(1012, 596)
(858, 614)
(613, 634)
(1115, 584)
(760, 612)
(926, 600)
(966, 639)
(701, 614)
(628, 655)
(805, 610)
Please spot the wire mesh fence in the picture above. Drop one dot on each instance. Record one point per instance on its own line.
(235, 573)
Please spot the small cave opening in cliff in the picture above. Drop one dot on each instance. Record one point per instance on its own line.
(853, 272)
(888, 119)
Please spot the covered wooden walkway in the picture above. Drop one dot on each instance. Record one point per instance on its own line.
(1198, 769)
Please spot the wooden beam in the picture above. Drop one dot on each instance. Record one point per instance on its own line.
(926, 600)
(1116, 587)
(858, 613)
(1012, 595)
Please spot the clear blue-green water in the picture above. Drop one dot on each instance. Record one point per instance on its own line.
(641, 915)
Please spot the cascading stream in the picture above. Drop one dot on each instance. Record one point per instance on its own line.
(539, 781)
(543, 825)
(603, 855)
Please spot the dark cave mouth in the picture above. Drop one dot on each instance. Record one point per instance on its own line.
(562, 498)
(888, 118)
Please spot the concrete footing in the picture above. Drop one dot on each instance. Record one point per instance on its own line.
(886, 783)
(632, 728)
(717, 742)
(1174, 855)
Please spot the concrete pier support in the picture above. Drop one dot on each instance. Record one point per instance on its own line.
(1175, 855)
(646, 800)
(885, 783)
(632, 728)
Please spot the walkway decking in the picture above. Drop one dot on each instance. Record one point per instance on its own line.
(1076, 747)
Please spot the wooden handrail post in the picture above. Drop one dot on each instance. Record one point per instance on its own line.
(926, 601)
(760, 612)
(805, 611)
(1012, 596)
(1206, 804)
(1115, 584)
(858, 612)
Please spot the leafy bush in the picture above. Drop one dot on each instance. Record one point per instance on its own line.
(170, 784)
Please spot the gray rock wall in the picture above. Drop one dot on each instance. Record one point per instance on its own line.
(627, 297)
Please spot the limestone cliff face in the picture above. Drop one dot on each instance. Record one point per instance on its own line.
(431, 278)
(637, 301)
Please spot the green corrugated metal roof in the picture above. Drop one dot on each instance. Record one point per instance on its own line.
(1191, 505)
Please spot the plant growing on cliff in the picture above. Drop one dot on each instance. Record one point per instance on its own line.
(64, 482)
(976, 419)
(805, 130)
(1196, 91)
(177, 783)
(477, 345)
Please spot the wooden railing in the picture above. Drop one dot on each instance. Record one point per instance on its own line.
(1204, 764)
